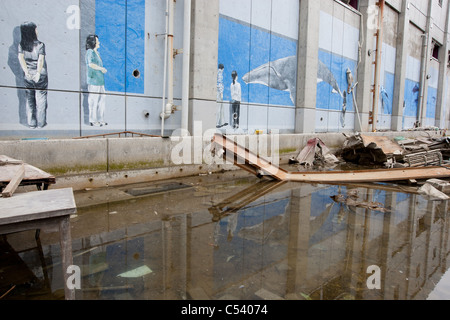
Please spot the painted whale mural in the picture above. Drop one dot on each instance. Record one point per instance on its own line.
(281, 75)
(325, 75)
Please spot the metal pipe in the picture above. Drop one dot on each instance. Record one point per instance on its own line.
(186, 66)
(424, 66)
(170, 57)
(376, 89)
(165, 69)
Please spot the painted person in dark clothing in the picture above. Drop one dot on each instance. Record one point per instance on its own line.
(33, 63)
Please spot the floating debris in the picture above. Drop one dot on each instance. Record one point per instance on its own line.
(432, 193)
(136, 273)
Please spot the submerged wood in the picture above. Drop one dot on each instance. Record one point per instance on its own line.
(247, 160)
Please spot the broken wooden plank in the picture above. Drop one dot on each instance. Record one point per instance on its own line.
(33, 175)
(14, 183)
(247, 160)
(377, 175)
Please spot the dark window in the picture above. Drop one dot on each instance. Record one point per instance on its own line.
(352, 3)
(435, 51)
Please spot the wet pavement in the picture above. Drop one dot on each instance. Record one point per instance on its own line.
(233, 236)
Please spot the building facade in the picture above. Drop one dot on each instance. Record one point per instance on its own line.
(302, 66)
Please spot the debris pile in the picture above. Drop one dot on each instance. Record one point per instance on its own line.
(397, 153)
(351, 200)
(315, 153)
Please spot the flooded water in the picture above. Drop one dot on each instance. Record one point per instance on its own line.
(233, 236)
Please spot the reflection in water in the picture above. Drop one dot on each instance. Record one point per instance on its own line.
(243, 239)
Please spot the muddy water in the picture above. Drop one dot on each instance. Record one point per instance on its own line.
(233, 236)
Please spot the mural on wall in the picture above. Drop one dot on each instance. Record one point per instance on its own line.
(337, 70)
(433, 77)
(235, 89)
(258, 40)
(119, 25)
(221, 122)
(95, 80)
(132, 45)
(31, 55)
(412, 92)
(280, 75)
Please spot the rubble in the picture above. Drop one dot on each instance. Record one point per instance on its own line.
(315, 152)
(351, 200)
(432, 193)
(400, 152)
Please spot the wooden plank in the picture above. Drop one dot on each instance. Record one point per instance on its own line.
(384, 143)
(242, 157)
(31, 206)
(378, 175)
(14, 183)
(32, 174)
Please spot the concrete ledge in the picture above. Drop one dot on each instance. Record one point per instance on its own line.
(94, 163)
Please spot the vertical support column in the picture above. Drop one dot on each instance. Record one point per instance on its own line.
(400, 68)
(363, 90)
(66, 254)
(299, 229)
(441, 122)
(308, 47)
(204, 59)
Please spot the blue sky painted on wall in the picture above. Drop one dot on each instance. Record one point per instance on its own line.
(244, 48)
(116, 20)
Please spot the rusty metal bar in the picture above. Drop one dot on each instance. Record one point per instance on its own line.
(118, 133)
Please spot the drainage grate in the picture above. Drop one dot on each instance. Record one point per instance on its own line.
(142, 191)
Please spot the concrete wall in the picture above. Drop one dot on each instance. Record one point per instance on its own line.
(131, 47)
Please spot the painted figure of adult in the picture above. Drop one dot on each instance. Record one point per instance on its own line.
(95, 81)
(221, 114)
(235, 89)
(32, 60)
